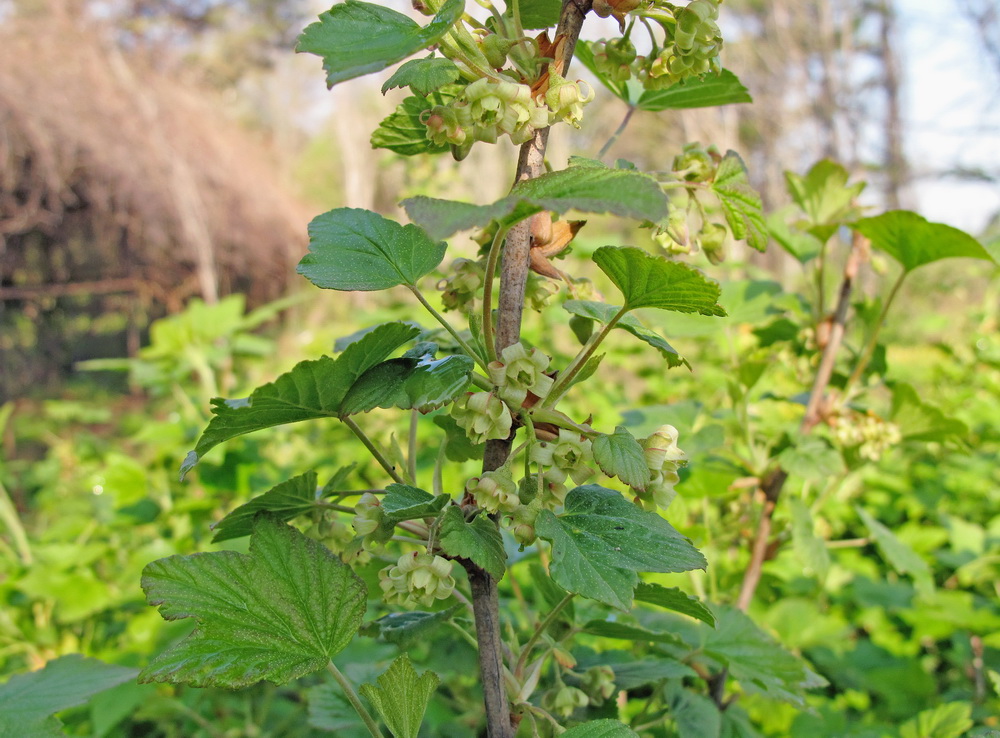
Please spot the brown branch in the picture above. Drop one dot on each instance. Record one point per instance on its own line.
(513, 277)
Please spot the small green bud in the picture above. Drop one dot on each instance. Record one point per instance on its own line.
(713, 241)
(461, 288)
(368, 514)
(661, 448)
(523, 523)
(599, 683)
(564, 700)
(495, 48)
(538, 290)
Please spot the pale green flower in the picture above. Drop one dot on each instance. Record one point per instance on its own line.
(518, 372)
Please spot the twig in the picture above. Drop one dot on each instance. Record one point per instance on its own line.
(374, 450)
(542, 627)
(618, 132)
(355, 701)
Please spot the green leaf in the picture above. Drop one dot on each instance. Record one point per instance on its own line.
(401, 696)
(330, 710)
(403, 502)
(950, 720)
(755, 659)
(672, 598)
(710, 91)
(355, 38)
(627, 632)
(824, 196)
(603, 313)
(602, 540)
(479, 541)
(810, 549)
(741, 204)
(900, 556)
(282, 611)
(422, 384)
(406, 628)
(403, 131)
(29, 701)
(919, 421)
(313, 389)
(620, 455)
(423, 76)
(600, 729)
(913, 241)
(626, 193)
(695, 716)
(649, 281)
(353, 249)
(538, 14)
(285, 501)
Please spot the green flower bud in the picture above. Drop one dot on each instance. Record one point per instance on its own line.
(520, 372)
(538, 290)
(614, 58)
(599, 684)
(444, 127)
(522, 525)
(418, 578)
(483, 417)
(713, 241)
(490, 108)
(566, 456)
(368, 514)
(461, 288)
(696, 164)
(564, 700)
(495, 48)
(495, 491)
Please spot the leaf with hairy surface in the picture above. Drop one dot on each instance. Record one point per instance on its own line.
(285, 501)
(649, 281)
(620, 455)
(423, 76)
(741, 204)
(479, 541)
(710, 91)
(356, 38)
(672, 598)
(278, 613)
(400, 696)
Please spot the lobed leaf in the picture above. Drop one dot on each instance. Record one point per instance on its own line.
(356, 38)
(538, 14)
(914, 241)
(403, 502)
(285, 501)
(479, 541)
(695, 715)
(401, 696)
(602, 540)
(919, 421)
(422, 384)
(354, 249)
(741, 204)
(313, 389)
(590, 189)
(600, 729)
(824, 196)
(404, 132)
(648, 281)
(277, 613)
(620, 455)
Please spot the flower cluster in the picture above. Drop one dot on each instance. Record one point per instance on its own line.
(872, 435)
(417, 579)
(566, 456)
(495, 491)
(518, 372)
(483, 416)
(460, 289)
(692, 48)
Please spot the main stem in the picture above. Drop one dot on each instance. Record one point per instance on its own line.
(513, 277)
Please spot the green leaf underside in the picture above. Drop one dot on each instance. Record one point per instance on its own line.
(648, 281)
(403, 502)
(601, 729)
(313, 389)
(741, 204)
(695, 715)
(710, 91)
(352, 249)
(403, 131)
(603, 313)
(585, 55)
(401, 697)
(919, 421)
(479, 541)
(673, 598)
(602, 540)
(330, 710)
(285, 501)
(626, 193)
(620, 455)
(537, 14)
(423, 76)
(423, 384)
(405, 628)
(277, 613)
(755, 659)
(356, 38)
(627, 632)
(914, 241)
(29, 701)
(634, 674)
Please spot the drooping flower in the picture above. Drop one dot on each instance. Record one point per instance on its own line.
(518, 372)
